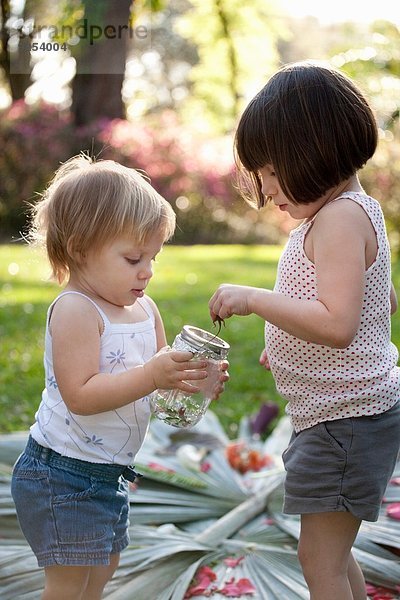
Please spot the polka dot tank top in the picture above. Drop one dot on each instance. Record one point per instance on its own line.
(322, 383)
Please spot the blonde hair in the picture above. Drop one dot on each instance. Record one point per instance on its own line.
(89, 203)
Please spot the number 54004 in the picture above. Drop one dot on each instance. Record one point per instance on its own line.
(48, 46)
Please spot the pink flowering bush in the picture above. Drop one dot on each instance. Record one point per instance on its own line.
(194, 173)
(34, 141)
(381, 179)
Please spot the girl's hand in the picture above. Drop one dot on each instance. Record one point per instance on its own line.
(230, 300)
(264, 360)
(224, 376)
(173, 369)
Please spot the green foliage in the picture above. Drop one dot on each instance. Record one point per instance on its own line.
(381, 179)
(373, 61)
(236, 45)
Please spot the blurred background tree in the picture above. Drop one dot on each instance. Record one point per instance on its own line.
(100, 74)
(236, 46)
(18, 77)
(164, 94)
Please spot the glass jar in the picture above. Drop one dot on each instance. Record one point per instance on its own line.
(179, 408)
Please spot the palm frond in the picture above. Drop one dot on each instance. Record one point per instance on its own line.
(380, 566)
(157, 582)
(228, 521)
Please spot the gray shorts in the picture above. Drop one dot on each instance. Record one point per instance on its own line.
(342, 465)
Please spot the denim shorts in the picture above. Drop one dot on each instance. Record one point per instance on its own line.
(342, 465)
(72, 512)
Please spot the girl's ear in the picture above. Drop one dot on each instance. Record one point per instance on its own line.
(73, 251)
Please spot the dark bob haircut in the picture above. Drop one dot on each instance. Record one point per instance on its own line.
(312, 124)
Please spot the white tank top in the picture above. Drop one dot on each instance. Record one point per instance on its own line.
(114, 436)
(323, 383)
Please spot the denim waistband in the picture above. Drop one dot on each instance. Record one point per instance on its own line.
(102, 471)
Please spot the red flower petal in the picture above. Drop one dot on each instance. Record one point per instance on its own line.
(207, 572)
(236, 589)
(157, 467)
(205, 466)
(195, 590)
(230, 561)
(243, 458)
(393, 510)
(379, 593)
(202, 580)
(245, 586)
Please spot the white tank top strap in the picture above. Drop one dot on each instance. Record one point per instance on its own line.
(104, 317)
(145, 304)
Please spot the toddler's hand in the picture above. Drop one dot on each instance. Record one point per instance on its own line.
(173, 369)
(264, 360)
(224, 376)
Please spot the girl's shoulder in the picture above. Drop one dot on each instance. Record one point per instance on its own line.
(348, 211)
(75, 308)
(74, 301)
(342, 225)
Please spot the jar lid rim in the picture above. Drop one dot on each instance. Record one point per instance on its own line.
(205, 338)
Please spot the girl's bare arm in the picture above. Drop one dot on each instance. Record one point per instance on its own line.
(76, 351)
(340, 236)
(393, 300)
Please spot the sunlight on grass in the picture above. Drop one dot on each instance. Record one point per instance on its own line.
(185, 278)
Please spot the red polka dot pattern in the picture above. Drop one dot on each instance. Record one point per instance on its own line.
(323, 383)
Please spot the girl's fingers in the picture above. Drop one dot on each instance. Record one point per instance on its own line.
(181, 356)
(187, 387)
(192, 375)
(192, 365)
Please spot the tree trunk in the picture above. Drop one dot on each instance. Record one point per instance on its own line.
(16, 67)
(101, 58)
(232, 58)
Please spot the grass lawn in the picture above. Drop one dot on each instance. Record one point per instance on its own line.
(185, 277)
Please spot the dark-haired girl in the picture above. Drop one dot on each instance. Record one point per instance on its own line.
(299, 144)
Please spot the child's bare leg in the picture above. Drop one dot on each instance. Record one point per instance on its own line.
(356, 578)
(98, 578)
(65, 583)
(324, 552)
